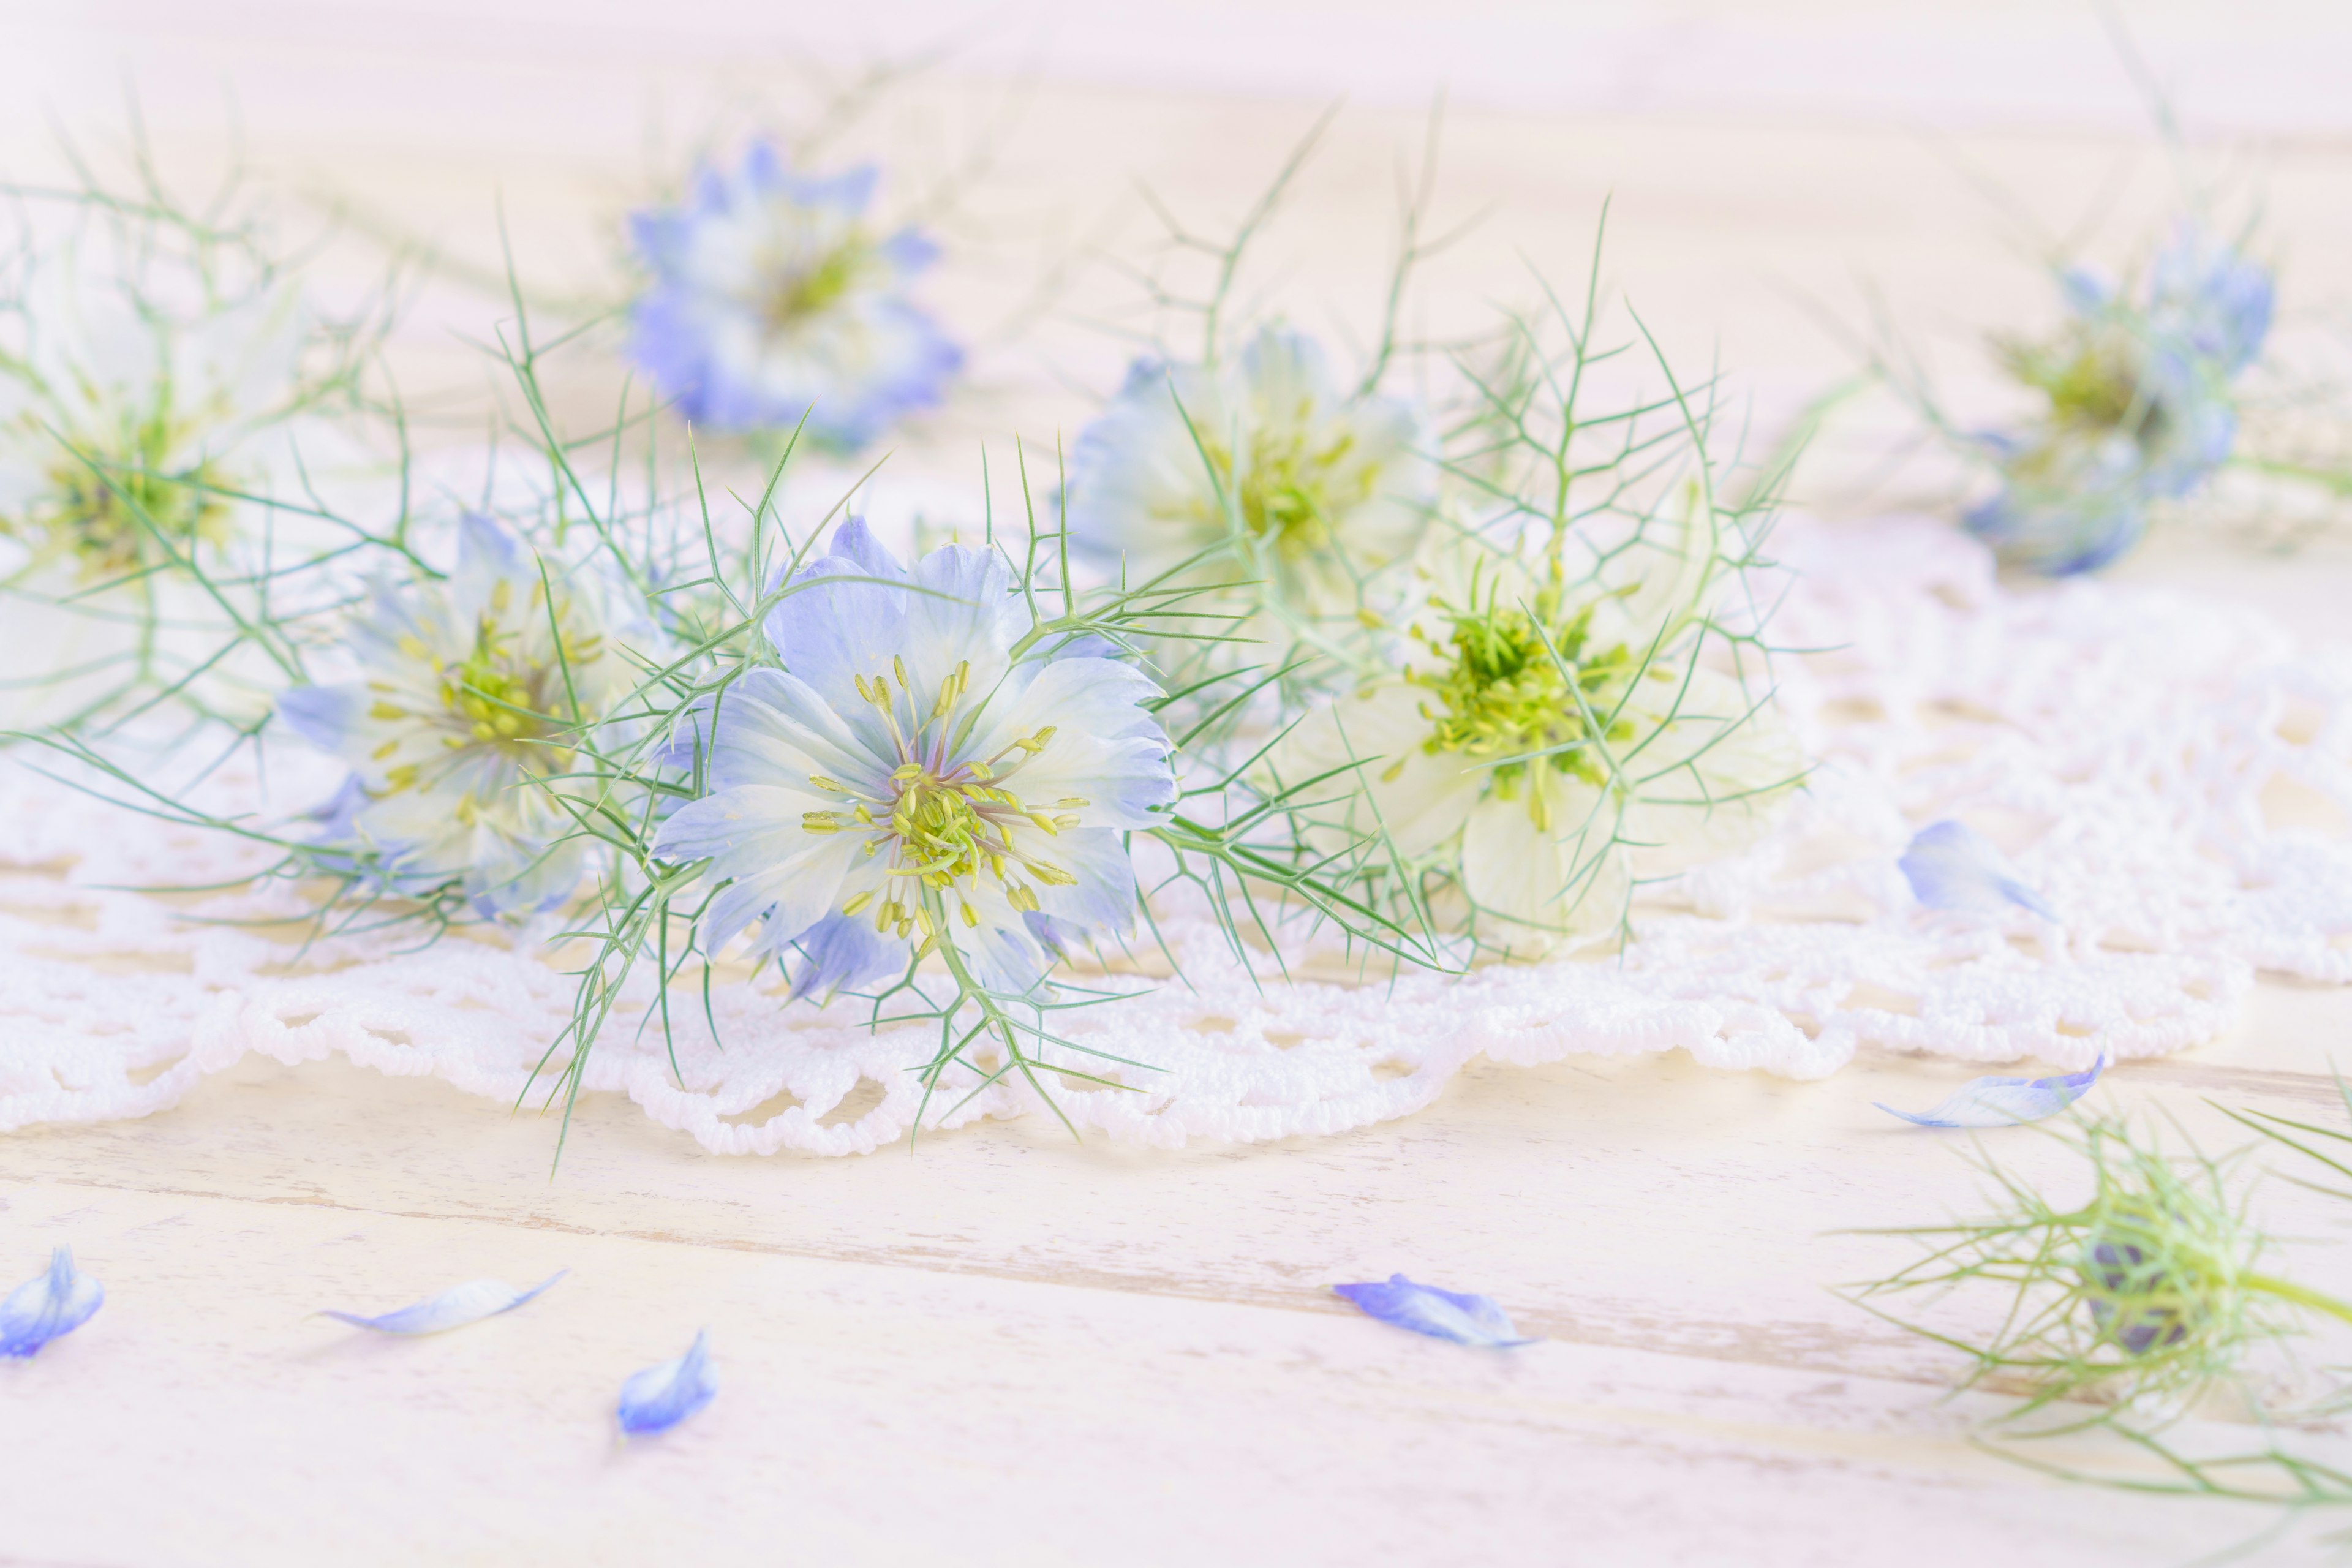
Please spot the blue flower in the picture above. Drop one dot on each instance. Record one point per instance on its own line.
(660, 1398)
(1441, 1314)
(453, 1309)
(771, 299)
(2212, 299)
(2139, 409)
(469, 696)
(48, 1308)
(1952, 866)
(1314, 493)
(908, 779)
(2006, 1101)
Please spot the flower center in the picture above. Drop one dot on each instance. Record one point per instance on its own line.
(799, 291)
(946, 821)
(1500, 693)
(495, 698)
(2096, 382)
(109, 519)
(1289, 491)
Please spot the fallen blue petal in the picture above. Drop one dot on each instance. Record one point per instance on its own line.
(1950, 865)
(2006, 1101)
(44, 1309)
(1441, 1314)
(468, 1303)
(660, 1398)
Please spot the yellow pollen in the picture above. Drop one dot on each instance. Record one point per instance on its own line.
(858, 903)
(385, 750)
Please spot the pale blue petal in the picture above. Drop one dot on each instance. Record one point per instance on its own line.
(1101, 904)
(453, 1309)
(326, 716)
(48, 1308)
(1441, 1314)
(830, 632)
(2006, 1101)
(1952, 866)
(844, 953)
(660, 1398)
(968, 613)
(1007, 959)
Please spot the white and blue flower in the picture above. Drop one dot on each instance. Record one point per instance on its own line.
(1540, 753)
(2139, 407)
(136, 409)
(472, 693)
(49, 1307)
(772, 300)
(1312, 494)
(918, 773)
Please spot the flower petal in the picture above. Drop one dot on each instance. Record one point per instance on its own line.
(2006, 1101)
(1950, 865)
(453, 1309)
(1441, 1314)
(660, 1398)
(843, 952)
(846, 617)
(48, 1308)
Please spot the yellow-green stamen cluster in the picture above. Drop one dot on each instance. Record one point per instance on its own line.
(799, 292)
(107, 518)
(1499, 692)
(1291, 489)
(2094, 380)
(498, 697)
(945, 824)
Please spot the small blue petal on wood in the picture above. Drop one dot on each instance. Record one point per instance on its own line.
(1950, 865)
(660, 1398)
(48, 1308)
(2007, 1101)
(453, 1309)
(1441, 1314)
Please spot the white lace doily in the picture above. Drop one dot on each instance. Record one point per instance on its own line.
(2130, 747)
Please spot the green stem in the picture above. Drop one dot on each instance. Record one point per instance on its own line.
(2331, 480)
(2287, 1291)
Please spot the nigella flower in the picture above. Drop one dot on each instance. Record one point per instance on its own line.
(48, 1308)
(660, 1398)
(2139, 406)
(1539, 752)
(1314, 491)
(472, 693)
(134, 406)
(922, 772)
(772, 300)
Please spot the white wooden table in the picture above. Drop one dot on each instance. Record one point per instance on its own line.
(1005, 1347)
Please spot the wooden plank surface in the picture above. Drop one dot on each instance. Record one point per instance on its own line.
(1005, 1347)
